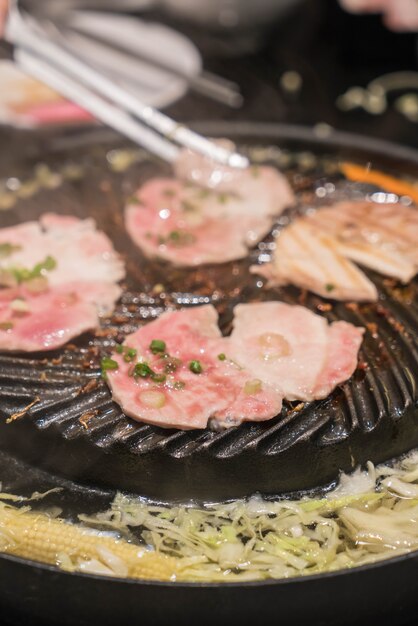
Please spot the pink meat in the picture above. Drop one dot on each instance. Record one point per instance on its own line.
(219, 392)
(292, 349)
(189, 225)
(81, 287)
(52, 318)
(344, 341)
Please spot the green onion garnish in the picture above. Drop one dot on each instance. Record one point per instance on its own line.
(130, 354)
(119, 349)
(157, 346)
(6, 325)
(179, 385)
(22, 274)
(158, 378)
(329, 287)
(6, 249)
(222, 356)
(143, 370)
(195, 367)
(107, 364)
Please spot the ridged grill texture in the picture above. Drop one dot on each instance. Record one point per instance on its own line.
(56, 410)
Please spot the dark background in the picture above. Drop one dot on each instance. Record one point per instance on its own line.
(331, 50)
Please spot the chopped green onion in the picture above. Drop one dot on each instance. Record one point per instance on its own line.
(6, 249)
(130, 354)
(6, 325)
(223, 198)
(157, 346)
(178, 238)
(119, 349)
(169, 193)
(187, 206)
(108, 364)
(329, 287)
(49, 264)
(22, 274)
(195, 367)
(158, 378)
(253, 386)
(143, 370)
(222, 356)
(179, 385)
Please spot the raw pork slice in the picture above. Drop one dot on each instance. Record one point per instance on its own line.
(294, 350)
(58, 276)
(159, 387)
(213, 219)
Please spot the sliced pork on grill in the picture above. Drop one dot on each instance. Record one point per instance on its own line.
(206, 220)
(294, 350)
(173, 373)
(57, 276)
(179, 372)
(308, 258)
(318, 251)
(380, 236)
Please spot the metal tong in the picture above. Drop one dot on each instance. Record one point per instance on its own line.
(42, 57)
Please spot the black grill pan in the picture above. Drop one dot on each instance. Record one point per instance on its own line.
(371, 417)
(74, 430)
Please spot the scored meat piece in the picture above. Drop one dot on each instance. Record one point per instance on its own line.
(58, 276)
(294, 350)
(310, 259)
(173, 373)
(188, 224)
(377, 235)
(317, 251)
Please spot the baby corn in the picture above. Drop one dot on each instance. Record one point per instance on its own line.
(50, 540)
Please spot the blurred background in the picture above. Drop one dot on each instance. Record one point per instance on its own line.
(293, 61)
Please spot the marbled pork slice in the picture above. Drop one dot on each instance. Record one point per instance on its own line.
(174, 396)
(189, 225)
(34, 322)
(58, 275)
(81, 251)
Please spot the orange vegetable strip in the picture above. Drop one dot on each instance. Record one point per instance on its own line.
(361, 174)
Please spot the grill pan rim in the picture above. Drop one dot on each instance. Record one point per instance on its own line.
(410, 556)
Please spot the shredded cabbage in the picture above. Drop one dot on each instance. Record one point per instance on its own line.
(371, 515)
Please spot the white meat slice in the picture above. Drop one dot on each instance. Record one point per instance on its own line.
(310, 259)
(379, 236)
(292, 349)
